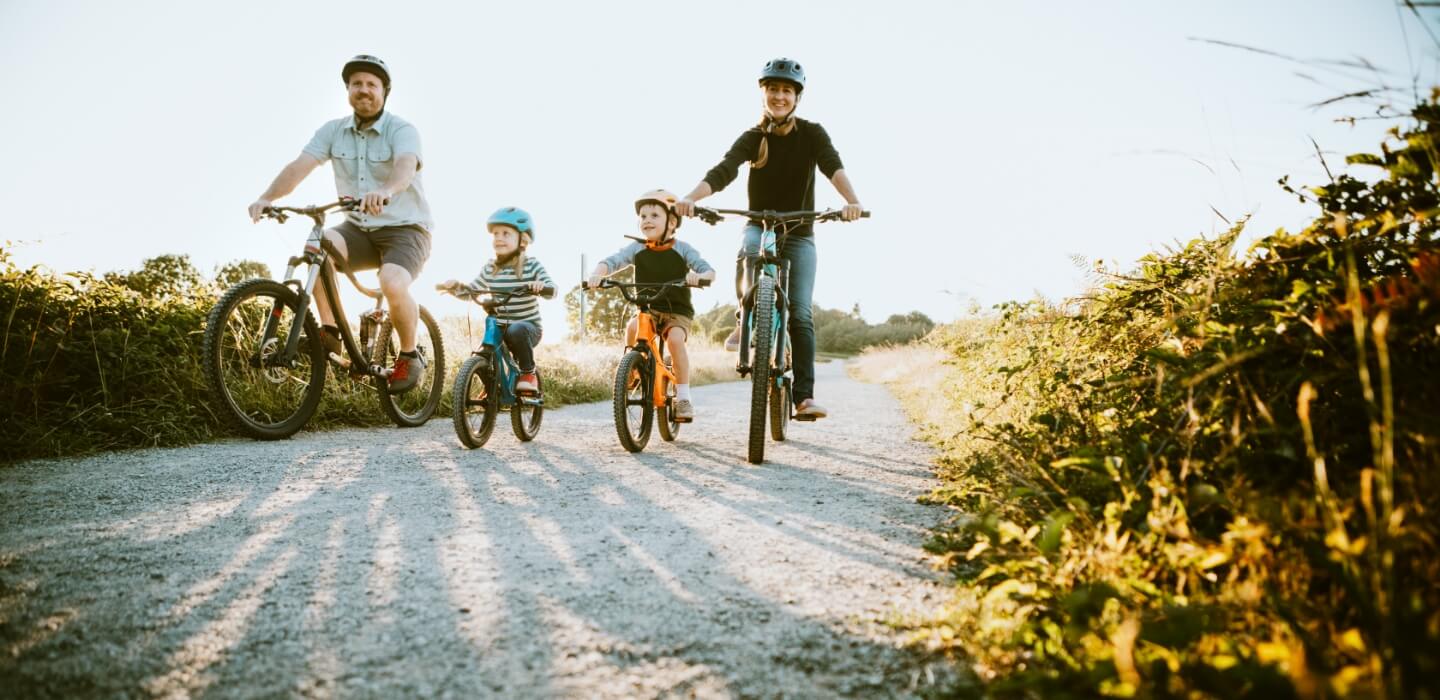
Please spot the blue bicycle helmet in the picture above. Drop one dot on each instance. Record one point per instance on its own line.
(784, 69)
(514, 217)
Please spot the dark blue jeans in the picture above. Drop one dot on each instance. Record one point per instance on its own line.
(800, 252)
(522, 337)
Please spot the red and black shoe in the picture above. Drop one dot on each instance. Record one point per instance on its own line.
(408, 373)
(527, 383)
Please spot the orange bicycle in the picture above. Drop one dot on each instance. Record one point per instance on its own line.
(644, 381)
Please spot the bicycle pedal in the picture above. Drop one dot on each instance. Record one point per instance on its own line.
(803, 418)
(339, 360)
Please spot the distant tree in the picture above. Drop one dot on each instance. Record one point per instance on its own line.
(606, 312)
(237, 271)
(162, 276)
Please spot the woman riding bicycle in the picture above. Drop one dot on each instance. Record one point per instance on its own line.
(783, 152)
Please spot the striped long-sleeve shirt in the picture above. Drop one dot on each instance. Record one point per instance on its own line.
(503, 279)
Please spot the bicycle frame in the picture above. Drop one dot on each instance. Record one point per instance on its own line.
(647, 336)
(648, 341)
(767, 263)
(317, 255)
(506, 372)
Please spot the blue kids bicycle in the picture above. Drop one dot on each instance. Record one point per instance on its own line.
(485, 384)
(764, 318)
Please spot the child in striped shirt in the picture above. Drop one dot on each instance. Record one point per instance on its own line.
(512, 231)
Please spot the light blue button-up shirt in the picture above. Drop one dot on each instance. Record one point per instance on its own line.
(363, 160)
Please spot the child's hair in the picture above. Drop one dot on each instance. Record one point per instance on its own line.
(524, 242)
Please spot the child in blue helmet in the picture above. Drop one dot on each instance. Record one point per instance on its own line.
(512, 230)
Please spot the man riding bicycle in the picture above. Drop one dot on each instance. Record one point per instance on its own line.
(376, 159)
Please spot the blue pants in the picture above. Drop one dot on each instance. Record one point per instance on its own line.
(522, 337)
(800, 252)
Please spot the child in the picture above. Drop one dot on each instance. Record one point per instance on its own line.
(512, 230)
(663, 259)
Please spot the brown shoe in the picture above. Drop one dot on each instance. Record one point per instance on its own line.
(809, 410)
(732, 343)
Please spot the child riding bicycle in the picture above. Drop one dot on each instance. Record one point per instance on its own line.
(512, 231)
(663, 258)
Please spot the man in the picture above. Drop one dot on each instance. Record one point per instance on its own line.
(376, 159)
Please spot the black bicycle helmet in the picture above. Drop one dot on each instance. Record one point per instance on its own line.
(368, 64)
(784, 69)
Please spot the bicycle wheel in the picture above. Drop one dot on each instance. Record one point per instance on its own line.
(414, 407)
(264, 402)
(525, 419)
(665, 415)
(634, 409)
(780, 409)
(474, 402)
(763, 320)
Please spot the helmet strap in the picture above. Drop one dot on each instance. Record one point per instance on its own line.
(363, 122)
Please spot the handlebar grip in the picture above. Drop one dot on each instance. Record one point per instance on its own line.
(704, 282)
(864, 214)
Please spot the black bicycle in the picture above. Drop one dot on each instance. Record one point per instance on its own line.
(764, 319)
(265, 362)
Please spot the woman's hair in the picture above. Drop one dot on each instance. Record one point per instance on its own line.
(769, 125)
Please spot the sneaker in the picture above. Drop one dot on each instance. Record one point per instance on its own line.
(407, 374)
(527, 383)
(329, 341)
(809, 410)
(684, 411)
(732, 344)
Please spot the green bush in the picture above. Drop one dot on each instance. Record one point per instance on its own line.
(1217, 474)
(97, 362)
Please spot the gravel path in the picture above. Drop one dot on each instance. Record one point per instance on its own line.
(396, 563)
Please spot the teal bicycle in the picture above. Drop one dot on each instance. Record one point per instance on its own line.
(764, 319)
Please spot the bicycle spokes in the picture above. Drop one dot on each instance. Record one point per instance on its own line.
(267, 392)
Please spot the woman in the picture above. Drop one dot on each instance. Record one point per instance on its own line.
(783, 152)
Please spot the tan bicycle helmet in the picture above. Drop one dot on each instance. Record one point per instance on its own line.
(666, 199)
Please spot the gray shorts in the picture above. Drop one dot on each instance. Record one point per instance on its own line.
(407, 246)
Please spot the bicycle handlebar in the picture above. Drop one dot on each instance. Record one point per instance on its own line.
(608, 283)
(280, 214)
(496, 296)
(714, 216)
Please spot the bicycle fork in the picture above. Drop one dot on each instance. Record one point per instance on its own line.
(768, 264)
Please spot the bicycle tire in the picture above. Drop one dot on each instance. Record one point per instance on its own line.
(763, 318)
(632, 391)
(665, 415)
(260, 402)
(412, 408)
(526, 428)
(780, 410)
(474, 414)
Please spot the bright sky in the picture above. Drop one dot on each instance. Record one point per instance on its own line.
(991, 140)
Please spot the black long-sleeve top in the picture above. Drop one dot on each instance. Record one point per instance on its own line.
(787, 182)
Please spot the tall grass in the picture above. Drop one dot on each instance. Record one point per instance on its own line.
(1214, 475)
